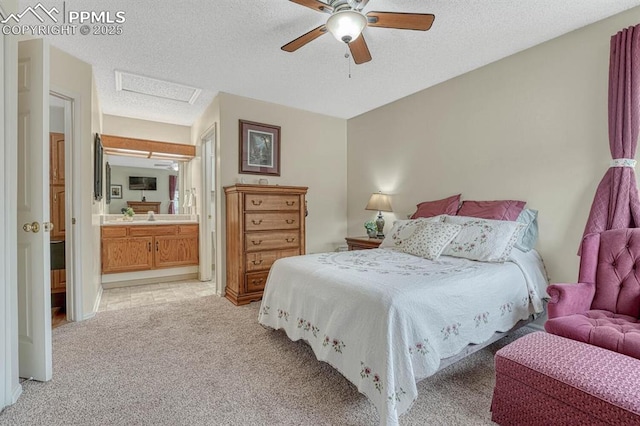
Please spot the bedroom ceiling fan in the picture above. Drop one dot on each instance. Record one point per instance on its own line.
(347, 22)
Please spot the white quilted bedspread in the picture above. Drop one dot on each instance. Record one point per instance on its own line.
(384, 319)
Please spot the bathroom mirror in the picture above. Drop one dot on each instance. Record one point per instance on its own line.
(144, 179)
(147, 175)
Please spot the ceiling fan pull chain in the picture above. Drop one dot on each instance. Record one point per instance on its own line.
(346, 55)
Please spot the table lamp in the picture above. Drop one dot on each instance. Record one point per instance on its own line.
(381, 203)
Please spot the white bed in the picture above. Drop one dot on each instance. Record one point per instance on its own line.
(385, 319)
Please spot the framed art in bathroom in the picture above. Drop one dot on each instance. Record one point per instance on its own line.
(115, 191)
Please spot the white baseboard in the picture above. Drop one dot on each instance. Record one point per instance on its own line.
(144, 281)
(17, 391)
(96, 306)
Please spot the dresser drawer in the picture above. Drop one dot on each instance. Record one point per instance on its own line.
(261, 260)
(255, 281)
(269, 221)
(255, 241)
(271, 202)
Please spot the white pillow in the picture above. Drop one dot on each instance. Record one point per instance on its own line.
(483, 239)
(402, 230)
(529, 235)
(430, 239)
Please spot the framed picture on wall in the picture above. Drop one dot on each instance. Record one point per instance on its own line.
(115, 191)
(259, 148)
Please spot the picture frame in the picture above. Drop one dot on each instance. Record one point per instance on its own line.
(115, 191)
(259, 148)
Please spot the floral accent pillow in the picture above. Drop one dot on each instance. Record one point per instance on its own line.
(483, 239)
(403, 230)
(430, 239)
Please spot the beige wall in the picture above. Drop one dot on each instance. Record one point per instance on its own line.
(144, 129)
(313, 154)
(71, 75)
(532, 126)
(98, 209)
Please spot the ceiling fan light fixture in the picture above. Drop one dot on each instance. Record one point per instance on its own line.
(346, 25)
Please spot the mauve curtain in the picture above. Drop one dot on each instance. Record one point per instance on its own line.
(173, 181)
(616, 203)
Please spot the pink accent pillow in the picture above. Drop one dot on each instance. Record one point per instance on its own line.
(499, 210)
(434, 208)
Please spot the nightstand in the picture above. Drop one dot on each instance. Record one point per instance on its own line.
(362, 243)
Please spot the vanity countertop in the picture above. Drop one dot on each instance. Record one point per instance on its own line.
(160, 219)
(148, 222)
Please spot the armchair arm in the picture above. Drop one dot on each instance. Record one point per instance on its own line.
(569, 299)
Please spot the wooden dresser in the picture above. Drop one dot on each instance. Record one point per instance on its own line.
(264, 223)
(142, 207)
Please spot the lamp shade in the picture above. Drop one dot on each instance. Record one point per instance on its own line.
(346, 25)
(380, 202)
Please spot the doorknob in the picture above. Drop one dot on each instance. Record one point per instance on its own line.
(31, 227)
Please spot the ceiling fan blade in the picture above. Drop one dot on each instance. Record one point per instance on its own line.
(304, 39)
(403, 21)
(315, 5)
(359, 50)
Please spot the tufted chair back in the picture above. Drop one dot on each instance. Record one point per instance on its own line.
(611, 260)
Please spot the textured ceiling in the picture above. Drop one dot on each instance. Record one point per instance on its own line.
(234, 46)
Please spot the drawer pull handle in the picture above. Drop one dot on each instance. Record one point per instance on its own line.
(256, 222)
(290, 221)
(149, 246)
(157, 248)
(291, 203)
(254, 282)
(256, 262)
(290, 240)
(256, 243)
(256, 202)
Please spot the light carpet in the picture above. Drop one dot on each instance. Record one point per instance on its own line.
(206, 362)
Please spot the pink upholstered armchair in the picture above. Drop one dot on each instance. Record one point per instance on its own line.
(603, 309)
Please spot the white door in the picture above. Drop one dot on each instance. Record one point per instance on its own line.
(207, 224)
(34, 279)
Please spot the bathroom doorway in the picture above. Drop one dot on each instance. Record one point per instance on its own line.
(64, 295)
(210, 204)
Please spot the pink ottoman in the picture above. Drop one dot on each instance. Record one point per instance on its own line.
(544, 379)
